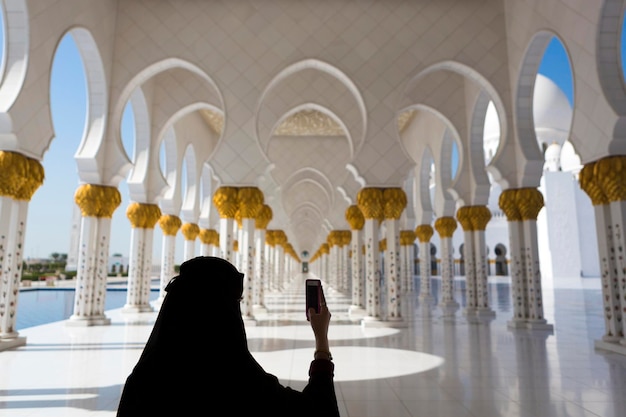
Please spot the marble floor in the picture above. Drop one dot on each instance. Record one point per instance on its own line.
(424, 366)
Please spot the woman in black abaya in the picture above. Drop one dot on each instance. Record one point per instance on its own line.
(196, 360)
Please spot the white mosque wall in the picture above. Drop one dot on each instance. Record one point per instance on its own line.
(561, 227)
(589, 256)
(566, 236)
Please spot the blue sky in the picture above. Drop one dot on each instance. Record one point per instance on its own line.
(50, 211)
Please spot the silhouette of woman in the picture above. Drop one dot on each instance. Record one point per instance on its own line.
(196, 360)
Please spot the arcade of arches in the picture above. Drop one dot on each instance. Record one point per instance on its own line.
(349, 131)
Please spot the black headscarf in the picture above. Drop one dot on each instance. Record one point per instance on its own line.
(198, 334)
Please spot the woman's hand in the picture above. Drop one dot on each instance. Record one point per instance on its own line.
(319, 323)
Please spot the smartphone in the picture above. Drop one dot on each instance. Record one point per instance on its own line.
(313, 295)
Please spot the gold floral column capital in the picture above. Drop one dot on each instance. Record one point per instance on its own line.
(190, 231)
(205, 236)
(590, 185)
(480, 216)
(445, 226)
(33, 180)
(508, 204)
(324, 249)
(529, 202)
(394, 202)
(227, 202)
(355, 218)
(270, 237)
(214, 237)
(333, 238)
(263, 217)
(250, 201)
(345, 236)
(424, 232)
(97, 200)
(464, 216)
(280, 238)
(170, 224)
(610, 174)
(407, 237)
(142, 215)
(370, 202)
(13, 166)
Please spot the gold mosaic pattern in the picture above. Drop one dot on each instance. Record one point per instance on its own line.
(404, 119)
(214, 120)
(309, 123)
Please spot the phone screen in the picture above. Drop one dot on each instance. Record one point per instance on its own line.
(313, 290)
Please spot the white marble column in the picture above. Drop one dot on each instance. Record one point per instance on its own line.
(370, 202)
(227, 203)
(97, 204)
(424, 232)
(143, 218)
(170, 225)
(407, 238)
(392, 266)
(601, 184)
(445, 227)
(13, 215)
(21, 177)
(463, 215)
(279, 259)
(246, 248)
(138, 287)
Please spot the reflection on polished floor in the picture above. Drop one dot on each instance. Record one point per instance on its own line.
(427, 367)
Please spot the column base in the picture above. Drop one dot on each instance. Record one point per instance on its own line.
(449, 308)
(356, 312)
(259, 309)
(479, 315)
(158, 302)
(11, 343)
(539, 325)
(610, 346)
(426, 299)
(530, 325)
(516, 324)
(397, 323)
(133, 309)
(610, 339)
(249, 321)
(374, 322)
(88, 321)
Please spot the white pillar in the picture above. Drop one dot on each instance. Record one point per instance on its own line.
(392, 274)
